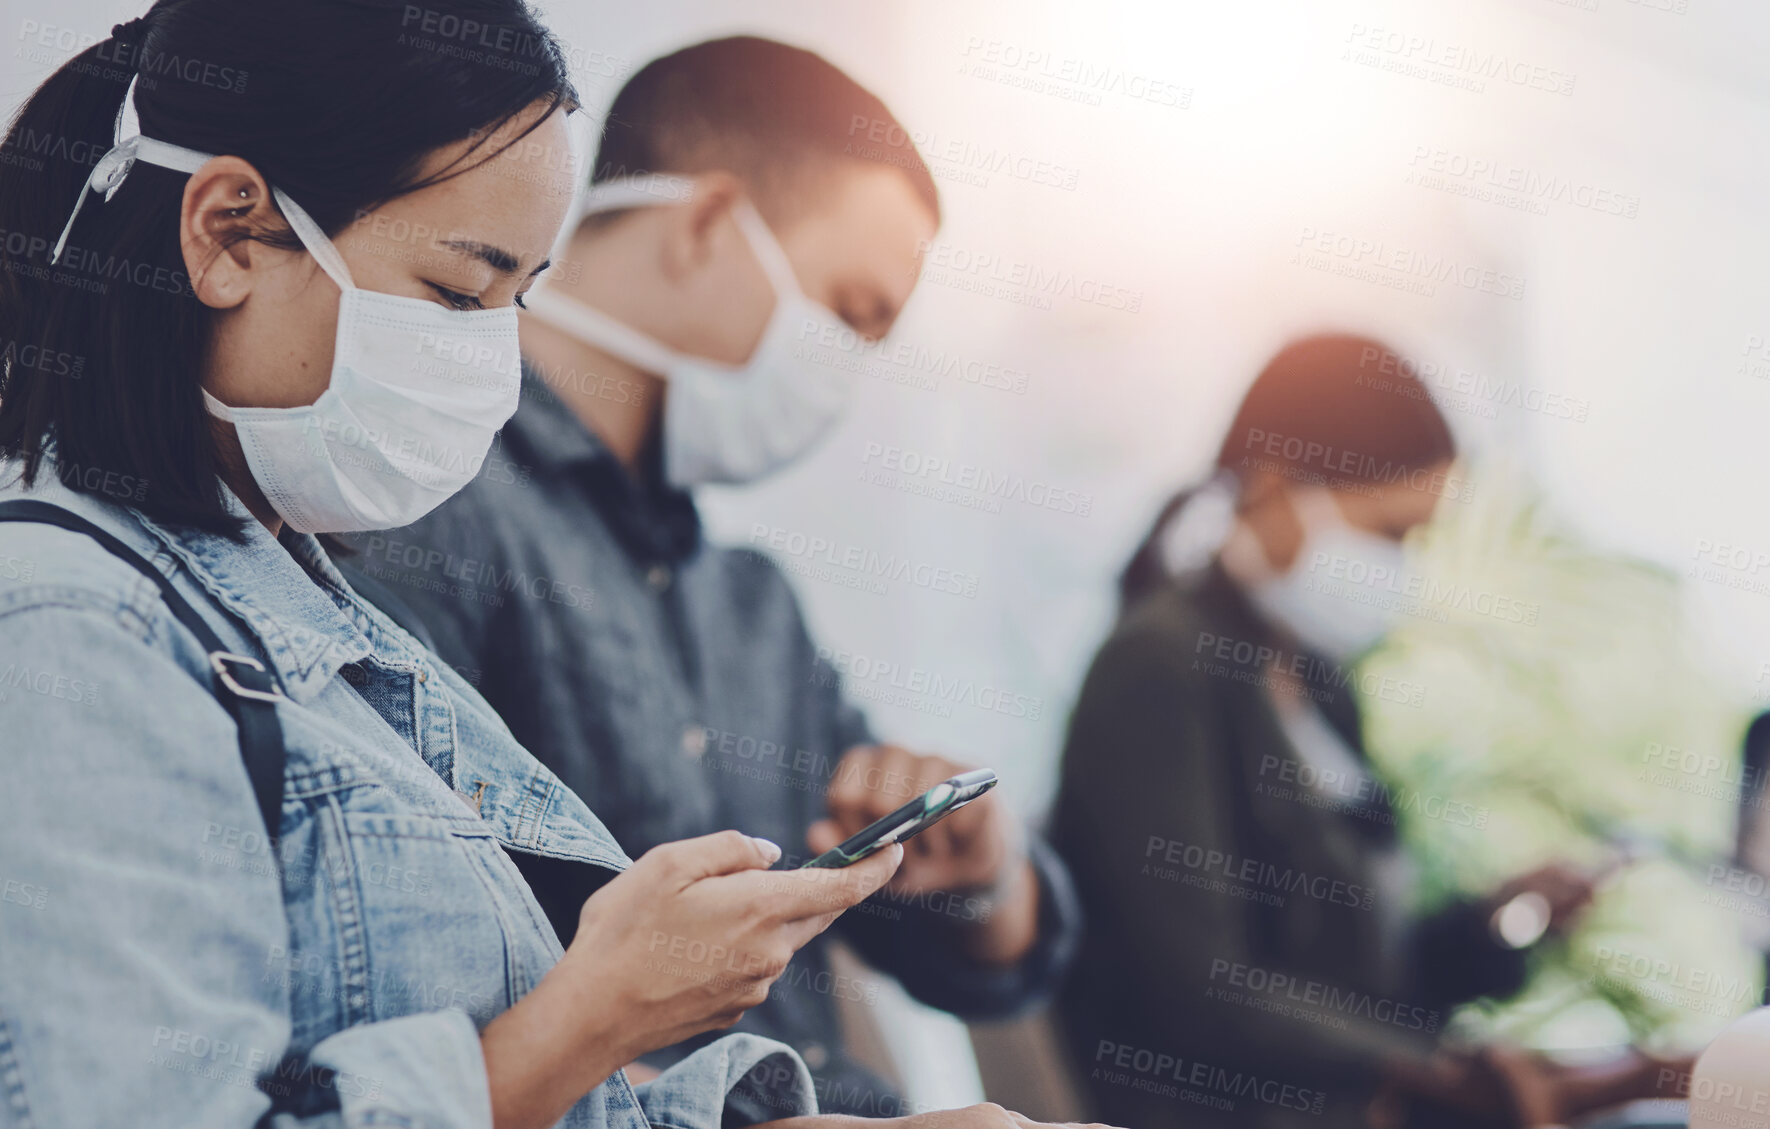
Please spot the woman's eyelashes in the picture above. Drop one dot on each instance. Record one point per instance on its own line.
(460, 301)
(455, 299)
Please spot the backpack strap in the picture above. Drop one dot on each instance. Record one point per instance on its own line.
(241, 684)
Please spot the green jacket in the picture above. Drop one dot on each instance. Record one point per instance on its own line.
(1251, 957)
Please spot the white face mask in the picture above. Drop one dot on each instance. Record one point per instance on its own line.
(722, 423)
(1337, 618)
(417, 391)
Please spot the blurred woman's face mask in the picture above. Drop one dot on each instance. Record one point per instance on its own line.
(722, 422)
(1336, 618)
(416, 395)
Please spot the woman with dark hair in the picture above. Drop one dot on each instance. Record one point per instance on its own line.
(265, 858)
(1250, 947)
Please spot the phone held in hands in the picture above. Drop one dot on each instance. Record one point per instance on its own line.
(919, 814)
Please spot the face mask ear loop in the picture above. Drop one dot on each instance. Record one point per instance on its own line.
(594, 327)
(323, 251)
(767, 250)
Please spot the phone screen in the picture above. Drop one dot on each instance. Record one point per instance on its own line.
(920, 813)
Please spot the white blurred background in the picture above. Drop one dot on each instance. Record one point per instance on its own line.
(1239, 173)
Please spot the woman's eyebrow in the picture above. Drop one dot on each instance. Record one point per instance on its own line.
(497, 258)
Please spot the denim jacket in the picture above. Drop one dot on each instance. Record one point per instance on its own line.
(160, 965)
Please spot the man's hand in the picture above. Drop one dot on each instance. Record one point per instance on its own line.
(971, 850)
(984, 1116)
(977, 852)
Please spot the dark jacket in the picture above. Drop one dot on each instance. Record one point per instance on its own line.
(1246, 962)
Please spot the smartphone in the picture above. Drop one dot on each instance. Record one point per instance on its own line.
(922, 812)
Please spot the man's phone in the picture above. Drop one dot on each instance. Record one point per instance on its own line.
(922, 812)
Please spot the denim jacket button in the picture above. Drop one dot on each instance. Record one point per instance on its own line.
(658, 577)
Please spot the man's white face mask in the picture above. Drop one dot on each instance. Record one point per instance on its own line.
(722, 423)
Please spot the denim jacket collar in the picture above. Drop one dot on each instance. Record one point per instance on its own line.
(306, 636)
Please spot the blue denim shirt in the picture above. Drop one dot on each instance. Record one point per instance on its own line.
(675, 686)
(160, 966)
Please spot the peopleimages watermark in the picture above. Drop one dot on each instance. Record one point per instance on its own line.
(248, 850)
(1461, 389)
(1705, 774)
(228, 1061)
(1322, 464)
(50, 45)
(47, 684)
(29, 149)
(501, 46)
(1756, 354)
(1745, 893)
(1713, 1092)
(894, 683)
(81, 268)
(1500, 182)
(1731, 565)
(1225, 872)
(437, 570)
(329, 975)
(1018, 281)
(28, 356)
(965, 483)
(1449, 64)
(1066, 77)
(30, 895)
(950, 158)
(1675, 983)
(811, 555)
(1193, 1080)
(1361, 794)
(1397, 266)
(1282, 993)
(893, 361)
(1269, 666)
(1411, 593)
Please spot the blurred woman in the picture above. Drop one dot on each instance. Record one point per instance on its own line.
(1251, 957)
(265, 857)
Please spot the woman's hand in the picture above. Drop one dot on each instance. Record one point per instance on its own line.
(686, 940)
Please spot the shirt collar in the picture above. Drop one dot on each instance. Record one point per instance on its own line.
(305, 634)
(653, 521)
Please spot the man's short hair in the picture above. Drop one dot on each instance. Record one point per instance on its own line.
(775, 116)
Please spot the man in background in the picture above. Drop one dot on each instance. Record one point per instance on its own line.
(748, 201)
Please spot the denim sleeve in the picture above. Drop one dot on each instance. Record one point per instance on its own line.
(134, 990)
(734, 1081)
(912, 939)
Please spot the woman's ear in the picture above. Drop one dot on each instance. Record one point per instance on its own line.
(693, 227)
(224, 201)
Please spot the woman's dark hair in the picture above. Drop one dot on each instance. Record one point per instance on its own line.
(336, 102)
(1328, 408)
